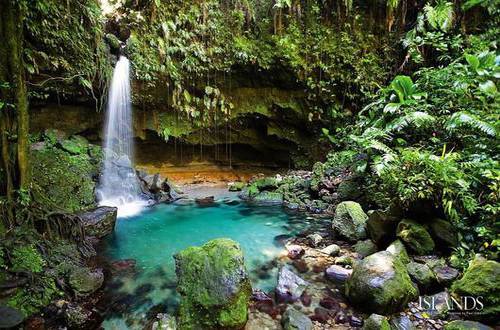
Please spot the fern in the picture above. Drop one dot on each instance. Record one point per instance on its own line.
(463, 119)
(441, 16)
(418, 119)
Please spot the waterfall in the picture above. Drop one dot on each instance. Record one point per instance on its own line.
(118, 183)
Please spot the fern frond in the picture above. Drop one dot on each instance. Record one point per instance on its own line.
(418, 119)
(462, 119)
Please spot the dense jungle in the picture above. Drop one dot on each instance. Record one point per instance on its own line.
(249, 164)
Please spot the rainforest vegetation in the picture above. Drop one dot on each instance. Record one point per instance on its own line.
(379, 114)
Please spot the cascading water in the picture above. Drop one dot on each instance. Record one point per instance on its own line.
(119, 185)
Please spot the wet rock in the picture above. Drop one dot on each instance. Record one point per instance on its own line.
(376, 322)
(236, 186)
(444, 233)
(415, 237)
(214, 285)
(421, 274)
(295, 251)
(349, 221)
(381, 227)
(338, 274)
(77, 316)
(268, 198)
(315, 239)
(85, 281)
(380, 284)
(402, 323)
(445, 274)
(331, 250)
(280, 240)
(295, 320)
(205, 201)
(10, 317)
(290, 286)
(100, 221)
(355, 321)
(466, 325)
(398, 250)
(322, 315)
(365, 248)
(482, 278)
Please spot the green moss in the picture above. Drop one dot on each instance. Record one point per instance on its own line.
(398, 249)
(27, 258)
(30, 300)
(350, 220)
(415, 237)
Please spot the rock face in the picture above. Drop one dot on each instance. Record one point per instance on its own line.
(290, 286)
(214, 286)
(156, 188)
(295, 320)
(482, 278)
(380, 284)
(415, 237)
(85, 281)
(349, 221)
(100, 221)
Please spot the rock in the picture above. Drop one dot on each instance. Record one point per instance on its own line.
(10, 317)
(376, 322)
(165, 322)
(349, 221)
(300, 265)
(355, 322)
(331, 250)
(261, 321)
(436, 306)
(466, 325)
(268, 198)
(380, 284)
(421, 274)
(338, 274)
(113, 42)
(481, 279)
(415, 237)
(444, 233)
(398, 249)
(290, 286)
(295, 251)
(402, 323)
(205, 201)
(267, 183)
(100, 221)
(349, 189)
(75, 146)
(344, 260)
(381, 227)
(445, 274)
(124, 265)
(329, 303)
(236, 186)
(315, 239)
(295, 320)
(77, 316)
(85, 281)
(214, 285)
(322, 315)
(365, 248)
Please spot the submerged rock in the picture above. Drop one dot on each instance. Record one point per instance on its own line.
(290, 286)
(100, 221)
(415, 237)
(214, 285)
(349, 221)
(295, 320)
(380, 284)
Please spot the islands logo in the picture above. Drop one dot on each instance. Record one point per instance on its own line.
(453, 305)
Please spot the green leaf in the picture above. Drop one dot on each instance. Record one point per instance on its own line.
(488, 88)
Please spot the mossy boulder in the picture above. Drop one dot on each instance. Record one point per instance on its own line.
(267, 183)
(466, 325)
(365, 248)
(421, 274)
(236, 186)
(415, 237)
(481, 279)
(349, 221)
(381, 227)
(214, 286)
(75, 145)
(380, 284)
(85, 281)
(99, 222)
(268, 198)
(376, 322)
(398, 249)
(444, 233)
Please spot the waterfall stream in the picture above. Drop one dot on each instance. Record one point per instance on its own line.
(119, 185)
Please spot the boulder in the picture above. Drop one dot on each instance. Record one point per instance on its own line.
(481, 279)
(466, 325)
(295, 251)
(295, 320)
(85, 281)
(332, 250)
(100, 221)
(214, 286)
(376, 322)
(444, 233)
(338, 274)
(75, 145)
(398, 249)
(445, 274)
(290, 286)
(380, 284)
(415, 237)
(315, 239)
(365, 248)
(349, 221)
(268, 198)
(10, 317)
(421, 274)
(381, 227)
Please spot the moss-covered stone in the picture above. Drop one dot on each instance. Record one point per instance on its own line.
(415, 237)
(398, 249)
(236, 186)
(380, 284)
(421, 274)
(214, 286)
(75, 145)
(350, 220)
(381, 227)
(481, 279)
(85, 281)
(376, 322)
(365, 248)
(443, 233)
(268, 197)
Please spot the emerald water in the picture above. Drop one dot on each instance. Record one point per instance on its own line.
(154, 236)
